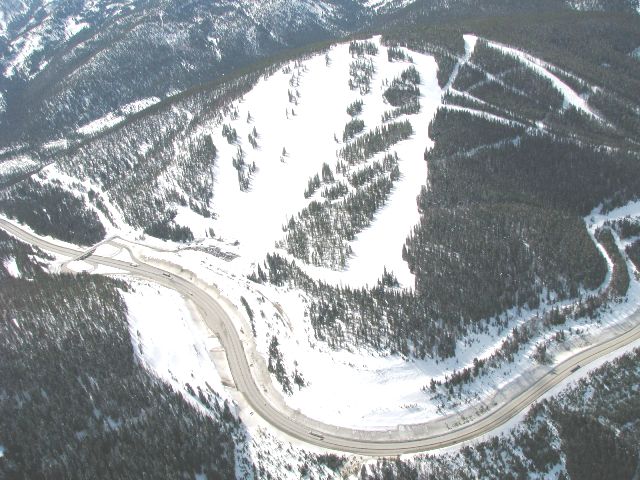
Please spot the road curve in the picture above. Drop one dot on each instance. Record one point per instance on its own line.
(432, 435)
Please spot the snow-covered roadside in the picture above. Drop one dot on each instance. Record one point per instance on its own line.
(169, 341)
(364, 389)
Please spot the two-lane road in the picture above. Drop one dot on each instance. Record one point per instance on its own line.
(431, 435)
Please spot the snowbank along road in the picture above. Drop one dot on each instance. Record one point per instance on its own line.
(440, 433)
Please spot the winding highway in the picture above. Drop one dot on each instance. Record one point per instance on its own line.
(443, 432)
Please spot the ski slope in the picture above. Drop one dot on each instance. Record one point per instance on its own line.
(307, 131)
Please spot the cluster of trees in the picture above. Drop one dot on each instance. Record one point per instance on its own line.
(404, 90)
(276, 366)
(361, 48)
(361, 72)
(253, 138)
(229, 133)
(368, 173)
(375, 141)
(410, 107)
(503, 82)
(335, 191)
(620, 274)
(245, 171)
(625, 227)
(352, 128)
(315, 182)
(386, 319)
(633, 251)
(195, 163)
(321, 233)
(397, 54)
(458, 131)
(166, 229)
(77, 403)
(355, 108)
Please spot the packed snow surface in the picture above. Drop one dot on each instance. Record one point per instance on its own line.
(168, 340)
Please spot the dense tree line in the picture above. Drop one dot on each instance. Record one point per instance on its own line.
(76, 402)
(620, 275)
(52, 210)
(397, 54)
(404, 89)
(361, 48)
(455, 131)
(410, 107)
(375, 141)
(633, 251)
(321, 233)
(352, 128)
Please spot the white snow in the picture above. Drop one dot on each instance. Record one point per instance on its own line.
(168, 340)
(364, 389)
(59, 144)
(100, 124)
(17, 165)
(379, 4)
(24, 47)
(114, 118)
(255, 218)
(12, 267)
(3, 103)
(138, 105)
(571, 98)
(198, 225)
(73, 26)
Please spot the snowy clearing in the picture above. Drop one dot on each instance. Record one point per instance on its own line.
(12, 267)
(100, 124)
(17, 166)
(72, 27)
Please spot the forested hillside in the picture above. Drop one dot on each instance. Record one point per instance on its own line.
(75, 401)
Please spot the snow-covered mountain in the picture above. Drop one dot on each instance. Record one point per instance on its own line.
(64, 63)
